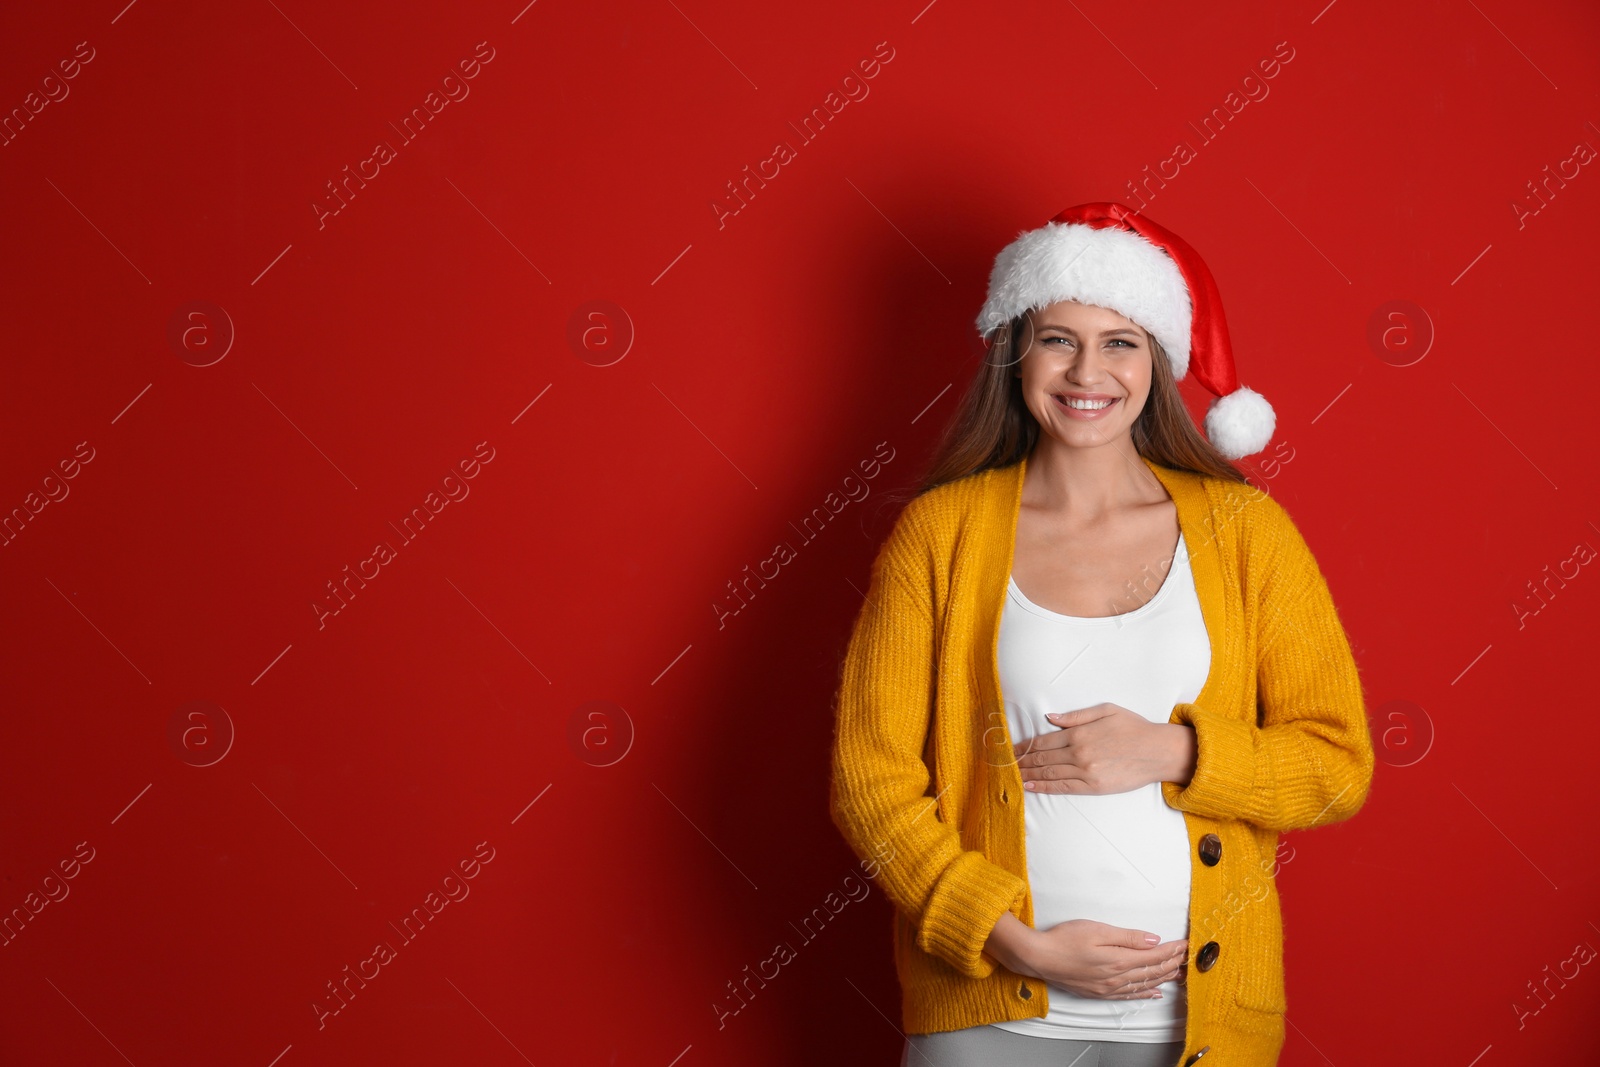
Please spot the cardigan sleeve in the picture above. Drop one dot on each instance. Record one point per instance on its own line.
(879, 788)
(1307, 760)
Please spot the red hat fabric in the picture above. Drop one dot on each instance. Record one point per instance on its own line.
(1111, 256)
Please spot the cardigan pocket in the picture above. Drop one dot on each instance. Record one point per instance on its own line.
(1258, 935)
(1260, 1023)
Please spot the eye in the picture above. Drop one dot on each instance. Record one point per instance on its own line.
(1047, 340)
(1123, 341)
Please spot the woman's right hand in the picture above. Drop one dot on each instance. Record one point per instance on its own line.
(1091, 959)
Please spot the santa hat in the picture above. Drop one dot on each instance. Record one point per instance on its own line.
(1111, 256)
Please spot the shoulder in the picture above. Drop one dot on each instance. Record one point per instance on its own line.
(934, 525)
(944, 508)
(1242, 519)
(1267, 535)
(1237, 509)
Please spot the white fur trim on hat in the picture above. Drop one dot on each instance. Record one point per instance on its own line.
(1241, 423)
(1106, 266)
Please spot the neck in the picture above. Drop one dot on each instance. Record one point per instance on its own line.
(1087, 483)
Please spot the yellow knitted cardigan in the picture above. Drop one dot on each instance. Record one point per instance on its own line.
(1282, 743)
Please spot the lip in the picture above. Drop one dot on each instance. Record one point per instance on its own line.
(1087, 416)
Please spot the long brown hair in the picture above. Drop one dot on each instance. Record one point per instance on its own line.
(993, 427)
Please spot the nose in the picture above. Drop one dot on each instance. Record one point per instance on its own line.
(1087, 367)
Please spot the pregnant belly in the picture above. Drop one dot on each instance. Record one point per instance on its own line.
(1121, 859)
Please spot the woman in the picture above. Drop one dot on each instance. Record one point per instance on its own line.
(1111, 670)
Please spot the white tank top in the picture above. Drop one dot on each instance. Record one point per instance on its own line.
(1121, 858)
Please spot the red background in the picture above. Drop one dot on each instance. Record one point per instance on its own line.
(445, 705)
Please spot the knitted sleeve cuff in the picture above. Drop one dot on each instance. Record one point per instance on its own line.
(970, 897)
(1227, 779)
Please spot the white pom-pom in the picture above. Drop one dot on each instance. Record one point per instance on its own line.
(1241, 423)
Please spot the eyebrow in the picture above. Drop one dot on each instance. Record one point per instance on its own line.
(1069, 329)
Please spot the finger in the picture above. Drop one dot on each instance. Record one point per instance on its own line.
(1055, 778)
(1137, 991)
(1132, 952)
(1138, 940)
(1050, 777)
(1079, 716)
(1049, 769)
(1041, 743)
(1147, 979)
(1127, 991)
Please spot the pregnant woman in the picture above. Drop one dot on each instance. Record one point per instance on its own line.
(1096, 675)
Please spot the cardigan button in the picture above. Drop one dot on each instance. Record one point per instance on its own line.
(1207, 956)
(1210, 850)
(1025, 993)
(1190, 1061)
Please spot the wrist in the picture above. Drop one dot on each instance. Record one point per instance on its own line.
(1011, 943)
(1185, 753)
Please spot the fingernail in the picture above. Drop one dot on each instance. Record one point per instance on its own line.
(1152, 939)
(1028, 786)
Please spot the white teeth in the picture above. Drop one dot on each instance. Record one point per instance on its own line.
(1086, 405)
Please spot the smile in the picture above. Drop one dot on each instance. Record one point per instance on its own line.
(1083, 409)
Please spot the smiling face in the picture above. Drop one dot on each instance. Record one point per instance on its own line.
(1086, 373)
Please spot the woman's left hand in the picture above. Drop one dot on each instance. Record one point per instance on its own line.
(1104, 749)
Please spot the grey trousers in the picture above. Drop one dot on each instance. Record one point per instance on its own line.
(990, 1046)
